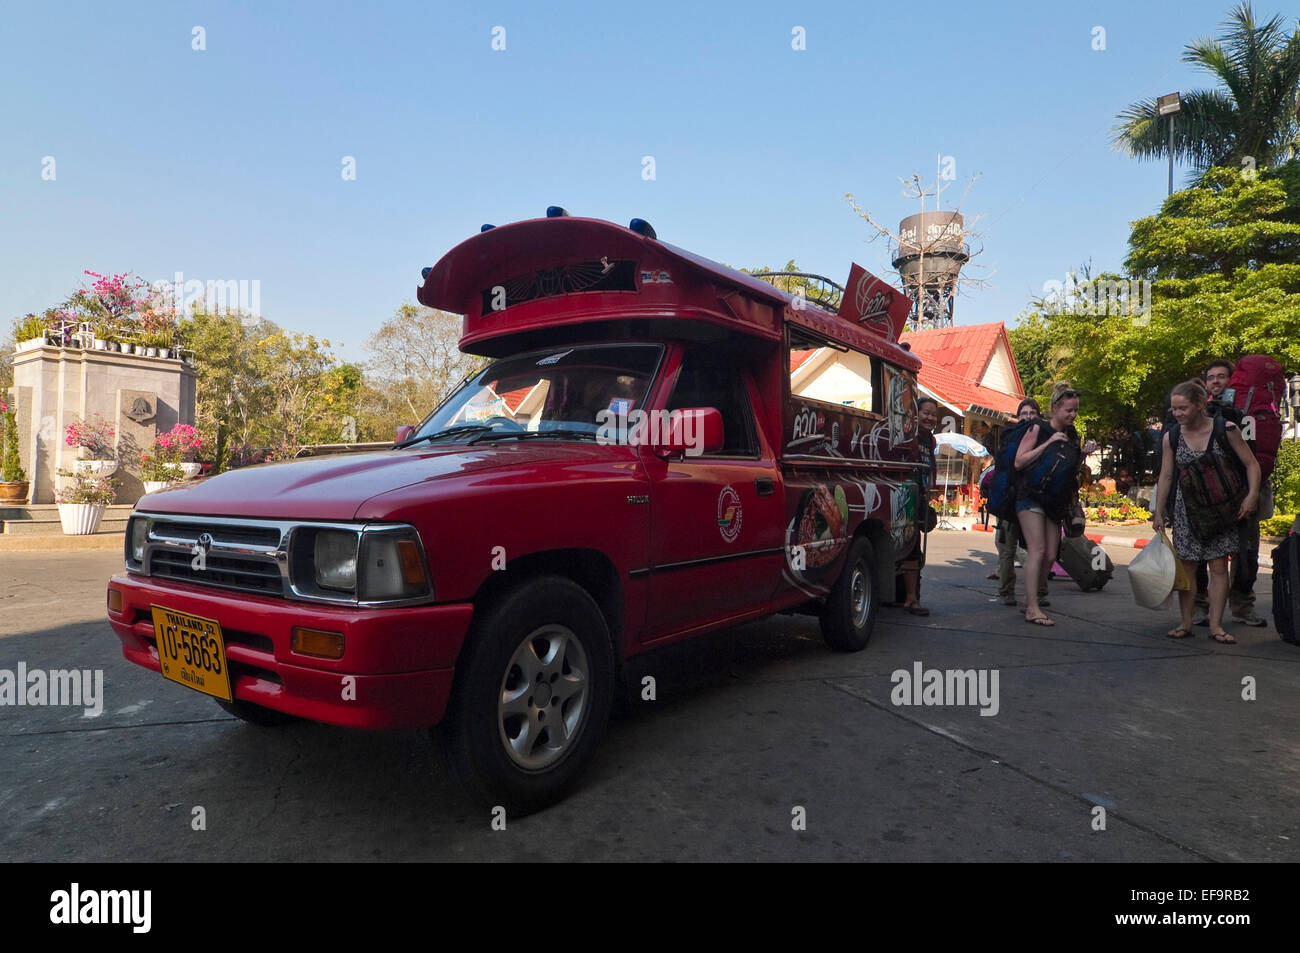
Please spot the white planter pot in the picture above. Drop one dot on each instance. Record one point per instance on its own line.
(153, 486)
(191, 470)
(80, 519)
(151, 352)
(101, 468)
(164, 352)
(101, 345)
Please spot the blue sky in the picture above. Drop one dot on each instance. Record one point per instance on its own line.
(226, 163)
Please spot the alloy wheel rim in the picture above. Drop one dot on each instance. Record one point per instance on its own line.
(544, 696)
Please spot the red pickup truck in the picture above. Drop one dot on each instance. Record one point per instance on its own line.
(631, 469)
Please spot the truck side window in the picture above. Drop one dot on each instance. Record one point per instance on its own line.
(707, 381)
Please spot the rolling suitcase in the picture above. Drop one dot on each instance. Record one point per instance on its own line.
(1086, 562)
(1286, 589)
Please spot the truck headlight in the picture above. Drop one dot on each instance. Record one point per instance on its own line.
(335, 559)
(392, 566)
(139, 533)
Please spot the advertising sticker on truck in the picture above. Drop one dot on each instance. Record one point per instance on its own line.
(729, 514)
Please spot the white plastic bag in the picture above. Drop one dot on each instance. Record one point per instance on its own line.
(1152, 574)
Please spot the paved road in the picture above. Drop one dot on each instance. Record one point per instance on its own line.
(749, 725)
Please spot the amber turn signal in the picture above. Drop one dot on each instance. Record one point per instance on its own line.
(317, 642)
(412, 565)
(115, 600)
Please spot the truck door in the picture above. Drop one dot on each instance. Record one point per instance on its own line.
(716, 518)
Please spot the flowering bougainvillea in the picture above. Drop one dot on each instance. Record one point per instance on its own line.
(95, 435)
(182, 441)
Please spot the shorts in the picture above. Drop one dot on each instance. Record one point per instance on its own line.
(1029, 506)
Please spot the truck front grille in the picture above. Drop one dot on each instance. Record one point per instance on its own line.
(261, 576)
(235, 554)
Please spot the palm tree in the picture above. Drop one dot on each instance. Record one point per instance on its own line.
(1257, 115)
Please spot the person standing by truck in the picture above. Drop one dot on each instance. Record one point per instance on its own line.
(927, 413)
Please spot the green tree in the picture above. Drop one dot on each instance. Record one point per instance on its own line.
(795, 282)
(1226, 281)
(1254, 117)
(1040, 357)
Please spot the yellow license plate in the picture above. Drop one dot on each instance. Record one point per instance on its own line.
(192, 651)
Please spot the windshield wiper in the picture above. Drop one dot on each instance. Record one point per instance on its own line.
(530, 434)
(448, 432)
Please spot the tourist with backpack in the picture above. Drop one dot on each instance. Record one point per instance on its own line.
(1213, 480)
(1248, 395)
(1047, 484)
(1007, 536)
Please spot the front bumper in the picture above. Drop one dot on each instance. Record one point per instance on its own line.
(401, 659)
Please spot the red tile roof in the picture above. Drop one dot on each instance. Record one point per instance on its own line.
(798, 357)
(962, 394)
(514, 398)
(964, 350)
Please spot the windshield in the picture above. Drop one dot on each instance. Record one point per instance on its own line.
(567, 391)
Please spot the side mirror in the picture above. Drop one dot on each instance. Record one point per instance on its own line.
(404, 432)
(691, 432)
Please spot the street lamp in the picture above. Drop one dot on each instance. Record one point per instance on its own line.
(1168, 106)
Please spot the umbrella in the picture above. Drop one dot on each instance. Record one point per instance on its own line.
(961, 443)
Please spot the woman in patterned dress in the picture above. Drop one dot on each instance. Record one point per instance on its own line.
(1196, 438)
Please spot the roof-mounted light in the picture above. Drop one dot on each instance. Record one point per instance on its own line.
(487, 228)
(642, 227)
(424, 272)
(555, 211)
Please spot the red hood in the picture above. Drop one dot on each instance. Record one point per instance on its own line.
(335, 487)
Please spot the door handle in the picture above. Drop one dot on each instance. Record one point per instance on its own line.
(765, 486)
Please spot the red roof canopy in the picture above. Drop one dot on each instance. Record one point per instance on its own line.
(965, 351)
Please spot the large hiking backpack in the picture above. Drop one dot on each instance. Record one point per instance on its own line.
(1054, 475)
(1213, 487)
(1258, 390)
(1001, 493)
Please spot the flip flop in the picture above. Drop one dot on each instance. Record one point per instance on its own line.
(1040, 620)
(1179, 633)
(917, 609)
(1223, 638)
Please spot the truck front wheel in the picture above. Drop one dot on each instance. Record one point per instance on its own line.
(850, 611)
(533, 692)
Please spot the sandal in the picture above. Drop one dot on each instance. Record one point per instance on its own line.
(1039, 620)
(1223, 638)
(1179, 633)
(916, 608)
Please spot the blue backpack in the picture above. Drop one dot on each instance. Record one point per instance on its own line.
(1054, 475)
(1001, 494)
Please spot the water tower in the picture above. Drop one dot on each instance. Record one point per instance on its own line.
(929, 259)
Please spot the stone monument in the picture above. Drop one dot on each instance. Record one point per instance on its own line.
(55, 386)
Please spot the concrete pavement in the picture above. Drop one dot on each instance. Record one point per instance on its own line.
(752, 728)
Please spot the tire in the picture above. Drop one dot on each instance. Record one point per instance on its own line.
(545, 637)
(256, 714)
(850, 611)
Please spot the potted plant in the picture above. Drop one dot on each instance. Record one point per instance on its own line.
(29, 332)
(96, 437)
(179, 446)
(158, 469)
(81, 504)
(13, 481)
